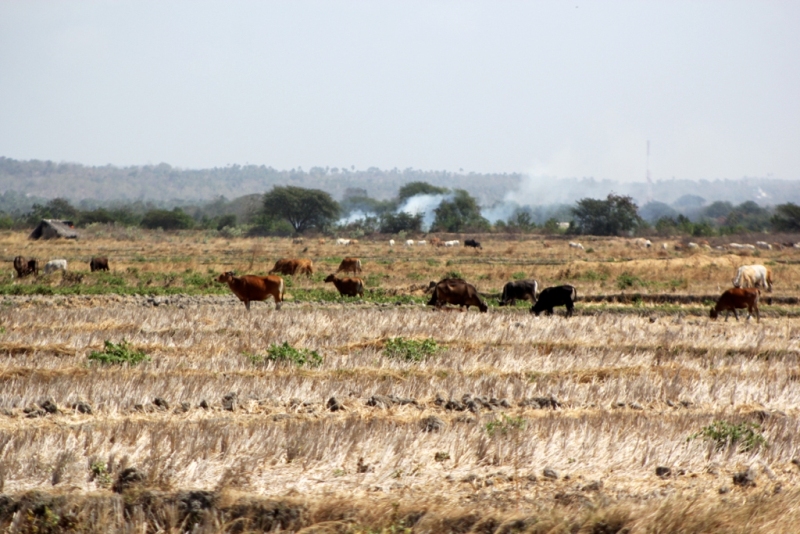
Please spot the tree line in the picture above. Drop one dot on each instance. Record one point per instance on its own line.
(292, 210)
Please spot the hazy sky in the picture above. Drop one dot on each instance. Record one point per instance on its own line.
(548, 88)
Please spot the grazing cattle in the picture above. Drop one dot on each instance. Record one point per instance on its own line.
(350, 265)
(293, 267)
(693, 245)
(456, 291)
(435, 242)
(551, 297)
(341, 241)
(736, 246)
(409, 242)
(55, 265)
(391, 242)
(663, 246)
(347, 287)
(321, 241)
(764, 245)
(251, 287)
(453, 243)
(519, 289)
(753, 276)
(24, 267)
(421, 243)
(99, 263)
(472, 243)
(737, 298)
(573, 244)
(642, 242)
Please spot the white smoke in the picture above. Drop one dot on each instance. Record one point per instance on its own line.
(424, 204)
(354, 216)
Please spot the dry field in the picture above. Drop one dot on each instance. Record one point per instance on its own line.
(515, 424)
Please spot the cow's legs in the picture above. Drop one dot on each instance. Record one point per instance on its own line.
(247, 305)
(570, 307)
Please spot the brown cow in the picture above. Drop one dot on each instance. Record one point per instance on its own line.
(24, 267)
(456, 291)
(737, 298)
(251, 287)
(99, 263)
(347, 287)
(293, 267)
(350, 265)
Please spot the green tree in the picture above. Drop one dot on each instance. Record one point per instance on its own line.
(412, 189)
(392, 223)
(786, 218)
(613, 216)
(58, 208)
(459, 214)
(718, 209)
(176, 219)
(302, 208)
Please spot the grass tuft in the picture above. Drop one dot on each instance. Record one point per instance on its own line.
(118, 353)
(410, 350)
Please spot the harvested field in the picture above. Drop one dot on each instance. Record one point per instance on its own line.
(599, 423)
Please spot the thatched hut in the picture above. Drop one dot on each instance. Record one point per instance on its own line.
(53, 228)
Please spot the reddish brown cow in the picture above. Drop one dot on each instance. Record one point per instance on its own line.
(24, 267)
(293, 267)
(99, 263)
(737, 298)
(347, 287)
(456, 291)
(251, 287)
(350, 265)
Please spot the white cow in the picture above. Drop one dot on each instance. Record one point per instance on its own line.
(453, 243)
(735, 246)
(642, 242)
(391, 242)
(764, 245)
(752, 276)
(409, 242)
(341, 241)
(423, 242)
(55, 265)
(693, 245)
(576, 245)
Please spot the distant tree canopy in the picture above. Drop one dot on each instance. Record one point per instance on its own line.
(460, 214)
(302, 208)
(614, 216)
(392, 223)
(58, 208)
(653, 211)
(786, 218)
(412, 189)
(176, 219)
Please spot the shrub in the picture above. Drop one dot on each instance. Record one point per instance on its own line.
(626, 280)
(119, 353)
(410, 350)
(505, 425)
(287, 354)
(725, 434)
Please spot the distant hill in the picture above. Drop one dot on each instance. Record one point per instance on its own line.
(164, 184)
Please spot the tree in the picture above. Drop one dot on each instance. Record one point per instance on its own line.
(412, 189)
(786, 218)
(302, 208)
(459, 214)
(613, 216)
(393, 223)
(176, 219)
(653, 211)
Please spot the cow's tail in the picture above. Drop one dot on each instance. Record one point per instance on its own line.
(504, 296)
(769, 279)
(737, 280)
(358, 265)
(574, 294)
(280, 290)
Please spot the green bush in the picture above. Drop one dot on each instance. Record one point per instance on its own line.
(410, 350)
(287, 354)
(627, 280)
(505, 425)
(724, 434)
(119, 353)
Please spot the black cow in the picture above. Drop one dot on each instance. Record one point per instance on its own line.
(521, 289)
(472, 243)
(555, 296)
(99, 263)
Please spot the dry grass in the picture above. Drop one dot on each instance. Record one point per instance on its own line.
(630, 391)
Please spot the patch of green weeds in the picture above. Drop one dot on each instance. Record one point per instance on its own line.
(285, 353)
(505, 425)
(746, 435)
(519, 276)
(118, 353)
(410, 350)
(627, 280)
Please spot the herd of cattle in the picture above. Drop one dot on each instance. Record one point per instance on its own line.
(747, 283)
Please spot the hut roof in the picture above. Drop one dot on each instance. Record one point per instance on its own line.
(53, 228)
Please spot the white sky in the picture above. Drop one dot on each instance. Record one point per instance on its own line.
(548, 88)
